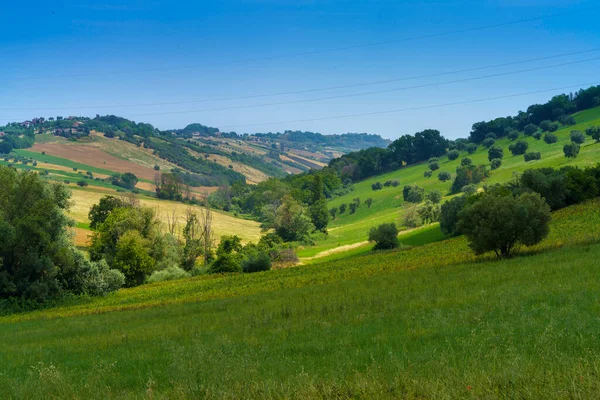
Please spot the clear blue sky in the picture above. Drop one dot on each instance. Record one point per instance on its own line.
(73, 54)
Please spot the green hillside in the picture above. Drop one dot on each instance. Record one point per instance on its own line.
(422, 323)
(388, 204)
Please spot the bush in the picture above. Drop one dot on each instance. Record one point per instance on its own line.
(550, 138)
(466, 161)
(530, 129)
(435, 196)
(427, 174)
(495, 152)
(471, 148)
(553, 127)
(571, 150)
(513, 135)
(168, 274)
(491, 135)
(413, 194)
(469, 189)
(577, 137)
(385, 236)
(97, 279)
(499, 223)
(226, 263)
(429, 212)
(518, 148)
(82, 183)
(256, 263)
(444, 176)
(532, 155)
(434, 165)
(377, 186)
(537, 135)
(157, 167)
(496, 163)
(489, 142)
(545, 125)
(594, 132)
(453, 155)
(391, 182)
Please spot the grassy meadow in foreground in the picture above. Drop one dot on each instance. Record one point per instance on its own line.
(520, 328)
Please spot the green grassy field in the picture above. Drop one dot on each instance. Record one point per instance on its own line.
(520, 328)
(388, 205)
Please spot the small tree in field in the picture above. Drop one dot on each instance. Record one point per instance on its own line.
(495, 152)
(385, 236)
(444, 176)
(453, 155)
(577, 137)
(343, 208)
(550, 138)
(499, 223)
(471, 148)
(333, 212)
(368, 202)
(571, 150)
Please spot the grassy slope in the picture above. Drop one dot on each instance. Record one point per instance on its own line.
(388, 204)
(521, 328)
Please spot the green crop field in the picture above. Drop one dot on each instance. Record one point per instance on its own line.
(429, 322)
(388, 205)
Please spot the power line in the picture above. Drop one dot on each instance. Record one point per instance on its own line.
(415, 108)
(310, 90)
(366, 93)
(323, 51)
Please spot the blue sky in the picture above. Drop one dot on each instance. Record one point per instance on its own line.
(61, 57)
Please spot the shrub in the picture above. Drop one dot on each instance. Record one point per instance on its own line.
(471, 148)
(499, 223)
(495, 152)
(168, 274)
(496, 163)
(427, 174)
(343, 208)
(469, 189)
(368, 202)
(413, 194)
(385, 236)
(530, 129)
(353, 207)
(429, 212)
(571, 150)
(434, 165)
(491, 135)
(256, 263)
(532, 155)
(594, 132)
(489, 142)
(391, 182)
(577, 137)
(435, 196)
(377, 186)
(537, 135)
(466, 161)
(82, 183)
(97, 279)
(545, 125)
(550, 138)
(453, 155)
(226, 263)
(469, 174)
(518, 148)
(553, 127)
(444, 176)
(157, 167)
(513, 135)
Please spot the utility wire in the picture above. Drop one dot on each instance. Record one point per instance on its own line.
(310, 90)
(323, 51)
(367, 93)
(415, 108)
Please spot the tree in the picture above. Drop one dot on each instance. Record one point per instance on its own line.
(343, 207)
(471, 148)
(499, 223)
(99, 212)
(376, 186)
(594, 132)
(413, 194)
(429, 212)
(571, 150)
(496, 163)
(192, 235)
(385, 236)
(466, 161)
(291, 220)
(537, 135)
(488, 142)
(132, 257)
(444, 176)
(495, 152)
(434, 165)
(532, 155)
(82, 183)
(513, 135)
(518, 148)
(357, 201)
(368, 202)
(333, 212)
(577, 137)
(449, 215)
(427, 174)
(530, 129)
(545, 125)
(435, 196)
(157, 167)
(453, 155)
(353, 207)
(319, 215)
(469, 190)
(550, 138)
